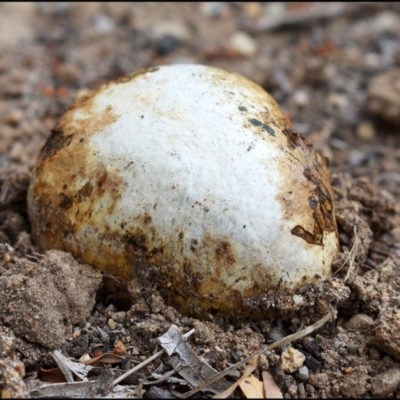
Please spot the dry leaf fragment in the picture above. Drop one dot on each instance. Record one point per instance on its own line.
(64, 364)
(69, 367)
(76, 390)
(252, 388)
(271, 389)
(192, 369)
(53, 375)
(120, 349)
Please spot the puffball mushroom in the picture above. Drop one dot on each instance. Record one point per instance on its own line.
(190, 177)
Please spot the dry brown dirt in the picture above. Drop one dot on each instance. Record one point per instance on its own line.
(337, 76)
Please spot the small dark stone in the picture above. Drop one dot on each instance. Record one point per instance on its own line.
(275, 335)
(166, 44)
(284, 380)
(311, 363)
(303, 373)
(311, 346)
(79, 346)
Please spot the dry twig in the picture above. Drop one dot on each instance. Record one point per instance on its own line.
(271, 389)
(353, 254)
(249, 369)
(308, 15)
(350, 257)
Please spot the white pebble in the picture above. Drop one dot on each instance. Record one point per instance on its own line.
(292, 360)
(243, 44)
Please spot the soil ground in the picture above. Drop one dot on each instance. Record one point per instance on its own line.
(334, 71)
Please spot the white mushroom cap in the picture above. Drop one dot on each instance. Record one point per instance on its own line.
(192, 177)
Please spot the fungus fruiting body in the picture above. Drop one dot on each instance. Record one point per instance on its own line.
(191, 177)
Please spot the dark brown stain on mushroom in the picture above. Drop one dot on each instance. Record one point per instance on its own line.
(65, 202)
(224, 252)
(85, 192)
(55, 142)
(322, 212)
(294, 138)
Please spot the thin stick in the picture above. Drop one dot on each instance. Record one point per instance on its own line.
(164, 377)
(145, 362)
(249, 369)
(288, 339)
(350, 256)
(314, 13)
(353, 254)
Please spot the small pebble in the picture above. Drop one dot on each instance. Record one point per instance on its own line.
(310, 388)
(359, 323)
(297, 299)
(274, 7)
(243, 44)
(273, 358)
(302, 391)
(119, 316)
(111, 324)
(312, 346)
(384, 96)
(85, 357)
(18, 153)
(69, 74)
(320, 380)
(366, 131)
(253, 9)
(291, 360)
(165, 45)
(213, 9)
(135, 351)
(352, 348)
(387, 335)
(385, 383)
(275, 335)
(303, 373)
(53, 8)
(14, 117)
(356, 157)
(386, 272)
(170, 315)
(292, 390)
(174, 29)
(76, 334)
(339, 101)
(103, 24)
(385, 22)
(301, 98)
